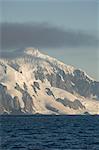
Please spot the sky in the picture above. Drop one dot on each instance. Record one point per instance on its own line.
(65, 29)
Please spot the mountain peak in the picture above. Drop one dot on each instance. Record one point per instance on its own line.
(32, 51)
(37, 83)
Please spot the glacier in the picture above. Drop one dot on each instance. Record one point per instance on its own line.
(35, 83)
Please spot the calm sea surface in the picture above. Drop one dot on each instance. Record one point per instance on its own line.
(43, 132)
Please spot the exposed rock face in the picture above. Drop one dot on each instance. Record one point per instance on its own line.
(39, 74)
(75, 105)
(27, 99)
(57, 81)
(5, 98)
(49, 92)
(36, 84)
(95, 88)
(28, 83)
(4, 67)
(28, 102)
(54, 110)
(16, 107)
(16, 104)
(76, 82)
(14, 65)
(25, 86)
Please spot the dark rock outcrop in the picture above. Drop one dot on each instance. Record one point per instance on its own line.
(76, 104)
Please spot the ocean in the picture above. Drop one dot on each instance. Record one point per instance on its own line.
(49, 132)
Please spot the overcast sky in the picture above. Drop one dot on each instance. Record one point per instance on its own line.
(65, 29)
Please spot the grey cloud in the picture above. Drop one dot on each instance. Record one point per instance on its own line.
(14, 35)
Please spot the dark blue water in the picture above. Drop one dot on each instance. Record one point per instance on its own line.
(49, 132)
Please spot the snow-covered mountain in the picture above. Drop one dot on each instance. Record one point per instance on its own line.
(37, 83)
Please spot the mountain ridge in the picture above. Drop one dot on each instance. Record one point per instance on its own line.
(34, 83)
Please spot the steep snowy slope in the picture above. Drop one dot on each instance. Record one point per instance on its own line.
(37, 83)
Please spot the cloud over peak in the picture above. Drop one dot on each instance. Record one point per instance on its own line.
(16, 35)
